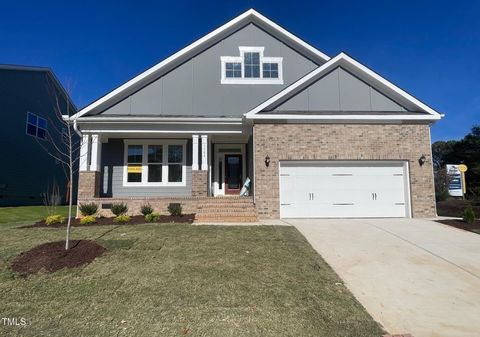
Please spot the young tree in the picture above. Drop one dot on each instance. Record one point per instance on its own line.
(62, 143)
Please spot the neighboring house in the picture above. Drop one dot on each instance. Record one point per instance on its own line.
(317, 136)
(27, 104)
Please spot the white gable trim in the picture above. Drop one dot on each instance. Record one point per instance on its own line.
(250, 14)
(358, 69)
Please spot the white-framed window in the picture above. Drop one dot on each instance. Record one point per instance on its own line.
(36, 126)
(155, 163)
(251, 67)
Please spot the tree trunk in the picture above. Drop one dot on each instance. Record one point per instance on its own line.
(70, 201)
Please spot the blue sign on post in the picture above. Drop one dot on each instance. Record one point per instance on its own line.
(455, 188)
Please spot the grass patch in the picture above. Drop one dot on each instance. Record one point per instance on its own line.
(29, 213)
(176, 280)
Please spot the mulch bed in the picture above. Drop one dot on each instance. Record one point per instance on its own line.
(455, 207)
(134, 220)
(52, 256)
(461, 224)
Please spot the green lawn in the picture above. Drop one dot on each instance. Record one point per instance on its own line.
(28, 213)
(176, 280)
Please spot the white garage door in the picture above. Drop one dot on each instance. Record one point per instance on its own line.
(344, 189)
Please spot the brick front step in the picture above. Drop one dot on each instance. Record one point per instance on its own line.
(226, 219)
(226, 209)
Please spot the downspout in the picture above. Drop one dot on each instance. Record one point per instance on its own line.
(75, 127)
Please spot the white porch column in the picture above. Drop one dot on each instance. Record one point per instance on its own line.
(194, 152)
(96, 153)
(204, 152)
(83, 160)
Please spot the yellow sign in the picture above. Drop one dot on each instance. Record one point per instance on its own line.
(462, 168)
(134, 169)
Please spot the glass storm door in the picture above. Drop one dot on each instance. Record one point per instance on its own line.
(233, 173)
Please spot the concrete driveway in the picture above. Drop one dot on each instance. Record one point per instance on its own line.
(413, 276)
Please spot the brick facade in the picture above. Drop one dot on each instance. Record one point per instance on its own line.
(88, 184)
(199, 183)
(342, 142)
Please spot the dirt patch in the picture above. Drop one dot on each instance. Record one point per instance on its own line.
(455, 207)
(475, 227)
(134, 220)
(52, 256)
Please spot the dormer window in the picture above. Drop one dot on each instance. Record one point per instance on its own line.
(251, 63)
(251, 67)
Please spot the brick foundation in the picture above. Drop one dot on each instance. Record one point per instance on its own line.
(342, 142)
(199, 183)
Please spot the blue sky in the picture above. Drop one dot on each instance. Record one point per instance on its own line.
(429, 48)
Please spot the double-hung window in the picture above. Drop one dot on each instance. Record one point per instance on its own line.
(252, 65)
(134, 163)
(36, 126)
(155, 160)
(155, 163)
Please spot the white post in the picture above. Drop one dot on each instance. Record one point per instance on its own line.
(83, 161)
(194, 152)
(204, 152)
(96, 151)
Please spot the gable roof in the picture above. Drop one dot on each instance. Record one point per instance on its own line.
(48, 71)
(420, 110)
(146, 77)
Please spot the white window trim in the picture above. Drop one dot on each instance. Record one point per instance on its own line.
(37, 127)
(240, 59)
(145, 144)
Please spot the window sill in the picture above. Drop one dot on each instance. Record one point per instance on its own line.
(251, 81)
(182, 184)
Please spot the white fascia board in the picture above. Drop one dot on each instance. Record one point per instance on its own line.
(165, 131)
(162, 120)
(250, 13)
(348, 118)
(358, 69)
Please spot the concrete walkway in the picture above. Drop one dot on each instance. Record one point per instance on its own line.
(412, 275)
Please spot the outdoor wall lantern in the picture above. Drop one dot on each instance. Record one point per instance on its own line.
(422, 160)
(267, 161)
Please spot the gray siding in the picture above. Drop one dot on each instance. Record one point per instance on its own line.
(27, 170)
(339, 90)
(112, 175)
(194, 88)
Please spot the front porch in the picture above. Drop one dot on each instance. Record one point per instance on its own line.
(160, 168)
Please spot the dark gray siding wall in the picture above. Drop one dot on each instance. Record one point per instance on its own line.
(112, 175)
(339, 90)
(26, 170)
(194, 88)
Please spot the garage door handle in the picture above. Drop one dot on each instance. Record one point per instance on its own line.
(374, 196)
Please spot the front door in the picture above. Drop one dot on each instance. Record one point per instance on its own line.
(233, 173)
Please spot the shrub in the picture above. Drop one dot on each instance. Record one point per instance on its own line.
(152, 217)
(175, 209)
(122, 218)
(55, 218)
(87, 209)
(88, 219)
(146, 210)
(119, 208)
(469, 215)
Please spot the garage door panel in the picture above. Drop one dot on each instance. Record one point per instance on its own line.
(353, 189)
